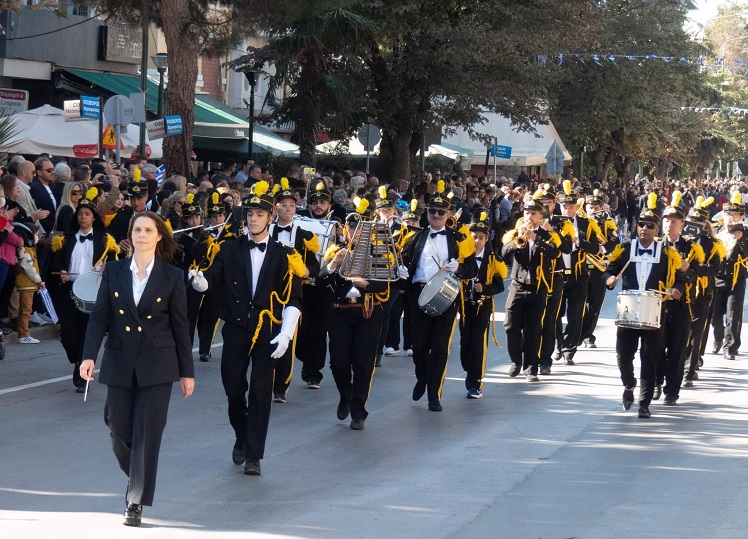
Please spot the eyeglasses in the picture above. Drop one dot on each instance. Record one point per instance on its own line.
(178, 202)
(286, 205)
(49, 170)
(75, 193)
(434, 211)
(649, 226)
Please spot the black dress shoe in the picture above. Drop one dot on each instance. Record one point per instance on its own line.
(80, 389)
(628, 398)
(237, 454)
(644, 412)
(357, 424)
(557, 356)
(418, 390)
(545, 370)
(378, 362)
(729, 356)
(716, 348)
(701, 362)
(657, 392)
(204, 358)
(279, 397)
(343, 410)
(435, 406)
(669, 401)
(252, 467)
(569, 361)
(133, 515)
(513, 370)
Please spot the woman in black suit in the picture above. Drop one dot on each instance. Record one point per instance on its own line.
(142, 305)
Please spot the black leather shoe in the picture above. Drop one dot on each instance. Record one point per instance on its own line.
(532, 377)
(378, 362)
(701, 361)
(557, 356)
(644, 412)
(237, 454)
(343, 410)
(569, 361)
(591, 344)
(435, 406)
(729, 356)
(279, 397)
(133, 515)
(81, 389)
(357, 424)
(418, 390)
(688, 382)
(252, 467)
(628, 398)
(513, 370)
(670, 401)
(657, 392)
(545, 370)
(204, 358)
(716, 348)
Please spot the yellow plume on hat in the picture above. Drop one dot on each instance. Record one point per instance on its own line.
(214, 198)
(382, 192)
(707, 202)
(596, 192)
(699, 202)
(92, 193)
(276, 188)
(414, 205)
(677, 195)
(136, 174)
(440, 186)
(284, 183)
(319, 186)
(261, 188)
(567, 187)
(580, 202)
(539, 193)
(483, 216)
(190, 198)
(736, 197)
(450, 195)
(362, 205)
(652, 201)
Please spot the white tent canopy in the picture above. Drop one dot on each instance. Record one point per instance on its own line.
(528, 148)
(352, 146)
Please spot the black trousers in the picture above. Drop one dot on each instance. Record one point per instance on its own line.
(194, 301)
(595, 297)
(523, 324)
(700, 311)
(249, 414)
(474, 343)
(353, 349)
(402, 308)
(207, 322)
(136, 417)
(627, 342)
(386, 311)
(572, 305)
(432, 336)
(728, 305)
(672, 357)
(550, 319)
(73, 324)
(311, 345)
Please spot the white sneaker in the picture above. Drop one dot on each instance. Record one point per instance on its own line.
(409, 352)
(389, 351)
(28, 340)
(36, 319)
(45, 316)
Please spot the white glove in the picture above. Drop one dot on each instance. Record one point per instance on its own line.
(288, 328)
(199, 283)
(402, 272)
(452, 265)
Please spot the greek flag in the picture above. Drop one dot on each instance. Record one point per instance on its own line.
(160, 174)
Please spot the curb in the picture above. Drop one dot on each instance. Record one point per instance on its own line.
(43, 333)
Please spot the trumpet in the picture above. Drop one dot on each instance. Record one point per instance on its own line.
(598, 261)
(454, 221)
(521, 239)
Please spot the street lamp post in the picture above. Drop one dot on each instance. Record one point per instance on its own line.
(161, 61)
(251, 75)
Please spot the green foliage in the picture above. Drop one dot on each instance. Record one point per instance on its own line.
(8, 129)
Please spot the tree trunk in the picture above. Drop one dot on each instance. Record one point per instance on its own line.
(311, 108)
(400, 145)
(183, 45)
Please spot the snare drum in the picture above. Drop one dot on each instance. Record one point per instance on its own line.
(85, 290)
(638, 310)
(324, 230)
(439, 293)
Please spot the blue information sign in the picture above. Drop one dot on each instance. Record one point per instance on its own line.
(173, 125)
(502, 152)
(90, 107)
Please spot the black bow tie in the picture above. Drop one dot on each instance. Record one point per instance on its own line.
(479, 258)
(260, 246)
(88, 236)
(440, 233)
(283, 228)
(645, 251)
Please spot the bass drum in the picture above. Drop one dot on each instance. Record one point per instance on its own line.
(324, 230)
(439, 293)
(638, 310)
(85, 290)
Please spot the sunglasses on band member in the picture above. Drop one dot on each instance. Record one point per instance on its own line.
(649, 226)
(434, 211)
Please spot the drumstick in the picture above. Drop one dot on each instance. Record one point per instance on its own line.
(85, 395)
(624, 268)
(65, 273)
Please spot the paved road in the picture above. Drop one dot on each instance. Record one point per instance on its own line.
(558, 459)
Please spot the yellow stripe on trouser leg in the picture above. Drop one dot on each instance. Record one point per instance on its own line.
(449, 346)
(483, 364)
(371, 380)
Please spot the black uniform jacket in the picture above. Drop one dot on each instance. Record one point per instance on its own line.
(340, 286)
(302, 235)
(497, 283)
(658, 274)
(231, 276)
(545, 252)
(412, 253)
(150, 341)
(61, 259)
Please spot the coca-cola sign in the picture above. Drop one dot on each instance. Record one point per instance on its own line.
(86, 150)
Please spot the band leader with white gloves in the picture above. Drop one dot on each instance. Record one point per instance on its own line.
(260, 309)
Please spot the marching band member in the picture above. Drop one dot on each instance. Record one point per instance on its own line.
(534, 244)
(730, 281)
(208, 319)
(653, 266)
(596, 290)
(701, 306)
(137, 192)
(311, 341)
(385, 210)
(585, 239)
(87, 247)
(306, 243)
(355, 325)
(677, 313)
(260, 283)
(434, 249)
(556, 289)
(478, 296)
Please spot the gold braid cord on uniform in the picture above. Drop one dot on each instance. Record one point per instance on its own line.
(617, 252)
(57, 243)
(312, 244)
(274, 296)
(675, 262)
(111, 246)
(331, 252)
(702, 283)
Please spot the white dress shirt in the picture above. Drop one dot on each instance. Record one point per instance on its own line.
(51, 196)
(81, 260)
(257, 257)
(434, 248)
(138, 286)
(283, 236)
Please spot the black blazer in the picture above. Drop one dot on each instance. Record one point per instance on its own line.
(302, 235)
(230, 276)
(497, 283)
(43, 201)
(61, 258)
(150, 341)
(412, 253)
(545, 252)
